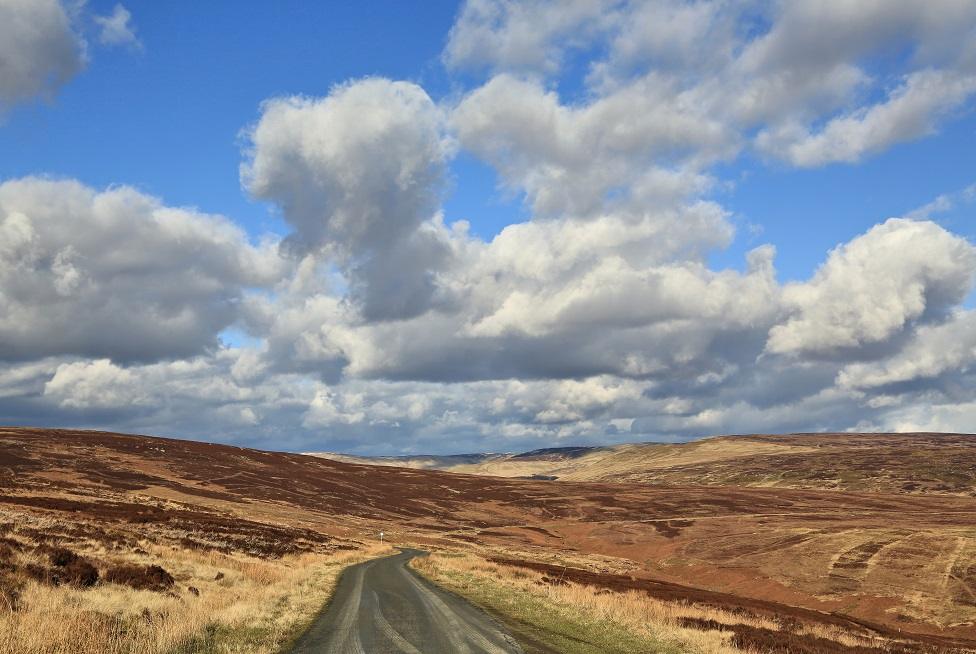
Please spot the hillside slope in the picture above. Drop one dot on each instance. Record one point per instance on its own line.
(891, 463)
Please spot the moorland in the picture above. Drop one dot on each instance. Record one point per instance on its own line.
(810, 543)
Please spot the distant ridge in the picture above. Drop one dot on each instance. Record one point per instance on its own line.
(923, 462)
(556, 452)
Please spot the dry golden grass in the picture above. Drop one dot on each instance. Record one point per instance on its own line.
(257, 605)
(642, 618)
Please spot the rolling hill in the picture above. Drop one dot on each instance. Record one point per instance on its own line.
(891, 463)
(711, 523)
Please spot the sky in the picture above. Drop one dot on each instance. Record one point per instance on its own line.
(488, 225)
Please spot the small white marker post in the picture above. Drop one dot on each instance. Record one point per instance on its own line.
(381, 536)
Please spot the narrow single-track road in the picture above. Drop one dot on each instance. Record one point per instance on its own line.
(381, 606)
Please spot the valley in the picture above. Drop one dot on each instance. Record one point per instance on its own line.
(881, 567)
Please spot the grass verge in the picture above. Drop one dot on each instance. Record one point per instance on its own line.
(542, 623)
(549, 610)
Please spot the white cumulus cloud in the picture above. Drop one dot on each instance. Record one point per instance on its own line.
(39, 49)
(117, 274)
(875, 287)
(381, 323)
(357, 174)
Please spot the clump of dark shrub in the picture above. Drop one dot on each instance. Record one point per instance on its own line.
(69, 568)
(80, 573)
(62, 556)
(757, 639)
(72, 569)
(150, 577)
(703, 624)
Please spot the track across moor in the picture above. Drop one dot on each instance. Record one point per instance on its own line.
(383, 607)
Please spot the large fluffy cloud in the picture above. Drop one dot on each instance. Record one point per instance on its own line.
(39, 50)
(569, 160)
(821, 50)
(609, 279)
(381, 324)
(43, 45)
(549, 298)
(911, 110)
(699, 76)
(933, 351)
(876, 286)
(117, 274)
(356, 174)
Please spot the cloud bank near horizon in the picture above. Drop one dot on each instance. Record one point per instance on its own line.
(380, 324)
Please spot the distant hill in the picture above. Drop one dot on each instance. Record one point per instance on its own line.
(417, 462)
(876, 462)
(545, 462)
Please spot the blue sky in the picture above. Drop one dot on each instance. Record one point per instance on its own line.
(167, 120)
(626, 167)
(807, 212)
